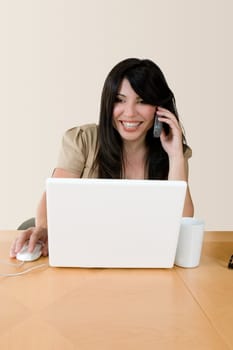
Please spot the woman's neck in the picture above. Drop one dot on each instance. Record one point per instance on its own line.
(134, 161)
(134, 147)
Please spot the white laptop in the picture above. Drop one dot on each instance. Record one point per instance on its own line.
(113, 223)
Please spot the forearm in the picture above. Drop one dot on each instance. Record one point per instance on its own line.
(178, 170)
(41, 214)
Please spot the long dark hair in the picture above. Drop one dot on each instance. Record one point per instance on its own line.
(148, 81)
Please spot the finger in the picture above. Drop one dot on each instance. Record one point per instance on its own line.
(45, 250)
(39, 234)
(174, 125)
(167, 114)
(163, 110)
(35, 237)
(32, 241)
(12, 249)
(23, 237)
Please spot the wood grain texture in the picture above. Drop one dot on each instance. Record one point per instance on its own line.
(65, 308)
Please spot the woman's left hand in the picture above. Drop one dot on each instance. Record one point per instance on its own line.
(172, 143)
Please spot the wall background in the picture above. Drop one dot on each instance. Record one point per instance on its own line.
(55, 55)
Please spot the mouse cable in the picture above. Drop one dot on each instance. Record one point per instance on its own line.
(22, 272)
(16, 264)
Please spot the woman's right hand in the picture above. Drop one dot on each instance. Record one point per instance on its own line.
(33, 234)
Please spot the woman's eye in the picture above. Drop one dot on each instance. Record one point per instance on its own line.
(118, 99)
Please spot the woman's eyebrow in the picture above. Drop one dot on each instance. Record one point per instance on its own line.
(122, 95)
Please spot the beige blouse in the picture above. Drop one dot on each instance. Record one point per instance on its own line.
(78, 150)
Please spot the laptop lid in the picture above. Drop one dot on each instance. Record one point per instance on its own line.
(113, 223)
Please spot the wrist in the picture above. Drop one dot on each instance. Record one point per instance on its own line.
(42, 224)
(176, 158)
(177, 168)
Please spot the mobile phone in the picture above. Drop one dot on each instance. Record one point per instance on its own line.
(158, 126)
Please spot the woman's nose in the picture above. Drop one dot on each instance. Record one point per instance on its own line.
(129, 110)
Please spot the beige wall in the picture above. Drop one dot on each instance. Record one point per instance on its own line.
(54, 58)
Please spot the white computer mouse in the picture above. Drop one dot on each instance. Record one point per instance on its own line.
(25, 255)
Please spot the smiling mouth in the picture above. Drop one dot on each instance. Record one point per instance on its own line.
(131, 125)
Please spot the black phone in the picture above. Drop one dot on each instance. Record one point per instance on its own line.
(158, 126)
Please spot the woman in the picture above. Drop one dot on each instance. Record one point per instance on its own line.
(123, 144)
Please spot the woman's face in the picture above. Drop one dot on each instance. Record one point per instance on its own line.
(132, 118)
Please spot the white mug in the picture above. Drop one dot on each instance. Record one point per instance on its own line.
(190, 242)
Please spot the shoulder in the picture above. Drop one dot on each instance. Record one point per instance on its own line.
(89, 128)
(78, 148)
(90, 131)
(86, 129)
(81, 134)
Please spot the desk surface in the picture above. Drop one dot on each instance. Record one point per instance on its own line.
(67, 309)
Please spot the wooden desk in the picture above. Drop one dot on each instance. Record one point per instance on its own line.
(67, 309)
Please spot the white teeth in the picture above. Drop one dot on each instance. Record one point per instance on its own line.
(130, 124)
